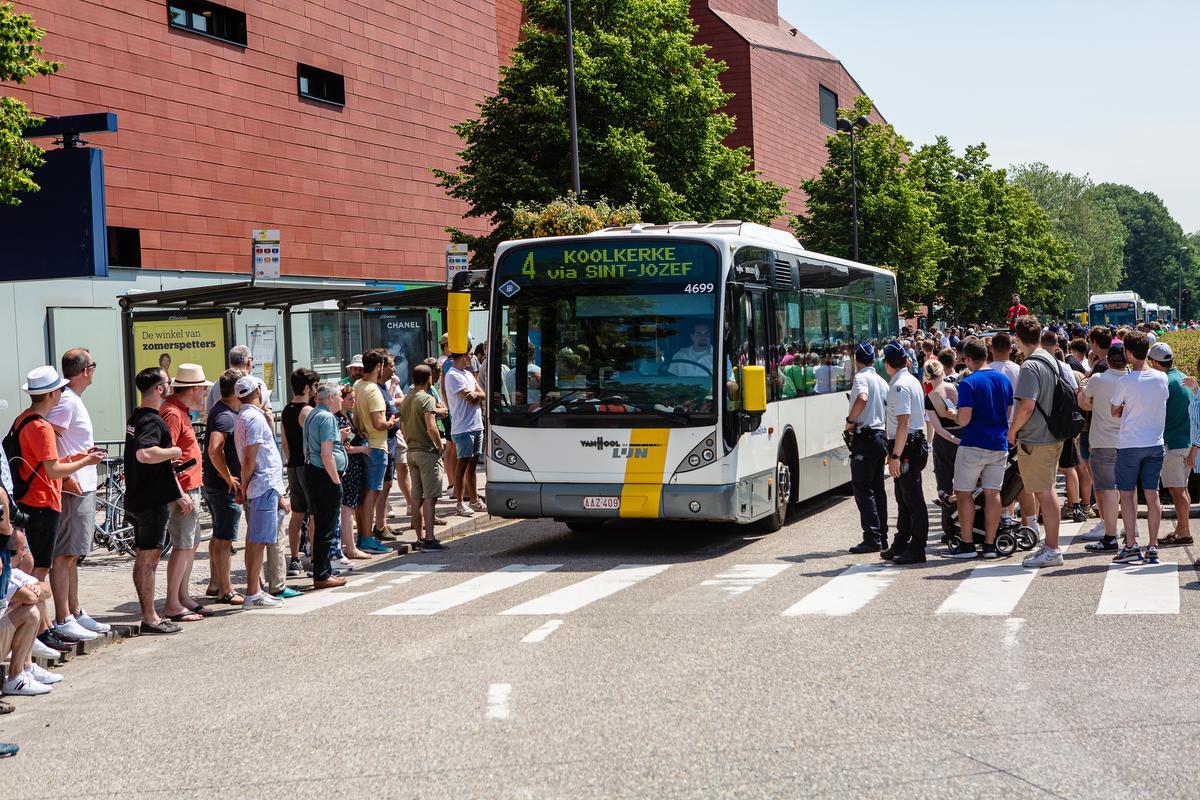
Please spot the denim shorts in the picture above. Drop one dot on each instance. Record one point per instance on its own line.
(225, 513)
(376, 463)
(263, 517)
(1139, 462)
(1103, 463)
(468, 444)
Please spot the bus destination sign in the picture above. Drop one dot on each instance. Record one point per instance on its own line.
(656, 261)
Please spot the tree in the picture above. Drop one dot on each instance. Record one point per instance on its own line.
(1087, 220)
(896, 212)
(567, 216)
(1153, 254)
(651, 129)
(20, 59)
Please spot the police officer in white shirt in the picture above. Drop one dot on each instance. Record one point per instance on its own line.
(908, 453)
(868, 453)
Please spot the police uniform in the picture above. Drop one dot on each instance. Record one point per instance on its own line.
(868, 453)
(906, 396)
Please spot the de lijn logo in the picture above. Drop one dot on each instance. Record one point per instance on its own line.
(619, 450)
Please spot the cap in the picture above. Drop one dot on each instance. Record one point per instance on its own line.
(356, 361)
(1117, 350)
(894, 348)
(42, 380)
(245, 386)
(865, 353)
(1161, 352)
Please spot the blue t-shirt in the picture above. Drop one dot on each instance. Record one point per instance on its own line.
(322, 426)
(988, 393)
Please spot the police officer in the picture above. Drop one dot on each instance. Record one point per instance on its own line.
(868, 453)
(907, 454)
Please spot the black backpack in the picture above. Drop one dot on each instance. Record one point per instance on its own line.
(1065, 420)
(12, 451)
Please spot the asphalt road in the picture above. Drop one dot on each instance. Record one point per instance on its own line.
(719, 664)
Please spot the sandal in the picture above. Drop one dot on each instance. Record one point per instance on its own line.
(211, 591)
(1174, 540)
(185, 616)
(232, 598)
(162, 626)
(203, 611)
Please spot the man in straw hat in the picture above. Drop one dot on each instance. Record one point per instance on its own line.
(189, 390)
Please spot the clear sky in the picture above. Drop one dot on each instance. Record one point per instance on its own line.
(1097, 87)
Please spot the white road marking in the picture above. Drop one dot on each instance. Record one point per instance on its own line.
(741, 578)
(1012, 627)
(1140, 589)
(577, 595)
(990, 590)
(498, 696)
(410, 572)
(539, 634)
(465, 592)
(847, 593)
(312, 602)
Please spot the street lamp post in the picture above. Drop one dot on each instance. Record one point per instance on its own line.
(846, 126)
(571, 102)
(1179, 298)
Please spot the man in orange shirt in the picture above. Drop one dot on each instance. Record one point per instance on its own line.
(41, 467)
(1015, 311)
(189, 390)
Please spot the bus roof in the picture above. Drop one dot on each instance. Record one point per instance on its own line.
(1111, 296)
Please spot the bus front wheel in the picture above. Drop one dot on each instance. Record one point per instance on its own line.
(783, 497)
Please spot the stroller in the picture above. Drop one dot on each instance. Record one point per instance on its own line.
(1009, 535)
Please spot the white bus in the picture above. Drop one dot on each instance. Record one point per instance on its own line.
(1151, 311)
(1116, 308)
(1159, 313)
(617, 369)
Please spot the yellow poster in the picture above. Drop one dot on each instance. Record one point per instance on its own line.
(171, 342)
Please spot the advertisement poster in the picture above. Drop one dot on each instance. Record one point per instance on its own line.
(262, 347)
(171, 342)
(404, 334)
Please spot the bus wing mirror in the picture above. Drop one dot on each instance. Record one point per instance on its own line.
(754, 389)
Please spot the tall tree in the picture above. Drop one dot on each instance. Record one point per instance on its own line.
(1154, 244)
(20, 59)
(1087, 220)
(896, 212)
(651, 129)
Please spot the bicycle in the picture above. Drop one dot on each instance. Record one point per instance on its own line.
(113, 529)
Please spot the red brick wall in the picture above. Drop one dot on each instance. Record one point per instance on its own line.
(214, 140)
(725, 45)
(509, 16)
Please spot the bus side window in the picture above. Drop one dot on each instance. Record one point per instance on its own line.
(786, 307)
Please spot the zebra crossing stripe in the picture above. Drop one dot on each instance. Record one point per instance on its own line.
(1140, 589)
(741, 578)
(848, 592)
(465, 592)
(990, 590)
(577, 595)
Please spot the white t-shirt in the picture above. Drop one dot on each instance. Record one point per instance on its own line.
(252, 428)
(1068, 373)
(72, 416)
(686, 363)
(1144, 395)
(1008, 369)
(16, 581)
(1105, 427)
(466, 416)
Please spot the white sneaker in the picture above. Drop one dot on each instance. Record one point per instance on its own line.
(90, 624)
(1095, 534)
(1043, 557)
(462, 511)
(74, 630)
(23, 684)
(44, 651)
(262, 600)
(478, 506)
(44, 675)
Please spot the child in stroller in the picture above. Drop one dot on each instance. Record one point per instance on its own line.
(1010, 534)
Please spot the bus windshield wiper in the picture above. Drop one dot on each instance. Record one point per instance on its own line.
(671, 414)
(553, 404)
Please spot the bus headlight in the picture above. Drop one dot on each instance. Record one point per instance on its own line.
(701, 455)
(503, 454)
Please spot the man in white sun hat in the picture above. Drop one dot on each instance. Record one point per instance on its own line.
(355, 368)
(40, 471)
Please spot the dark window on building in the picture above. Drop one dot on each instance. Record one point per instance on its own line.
(208, 19)
(829, 108)
(318, 84)
(124, 247)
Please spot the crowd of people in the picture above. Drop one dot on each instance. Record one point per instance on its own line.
(1106, 409)
(327, 469)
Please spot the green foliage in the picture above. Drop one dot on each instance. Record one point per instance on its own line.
(567, 216)
(651, 129)
(1089, 223)
(1153, 245)
(1186, 347)
(896, 212)
(20, 59)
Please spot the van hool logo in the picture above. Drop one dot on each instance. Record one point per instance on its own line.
(620, 450)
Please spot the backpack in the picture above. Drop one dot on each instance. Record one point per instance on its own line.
(1065, 420)
(12, 451)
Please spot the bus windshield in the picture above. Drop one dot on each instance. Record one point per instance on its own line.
(605, 333)
(1117, 313)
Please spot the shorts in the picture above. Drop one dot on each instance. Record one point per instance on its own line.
(1070, 455)
(468, 444)
(1085, 446)
(75, 525)
(41, 533)
(1038, 464)
(975, 465)
(149, 527)
(1144, 463)
(1103, 463)
(376, 464)
(425, 470)
(296, 495)
(389, 472)
(225, 512)
(184, 529)
(1174, 469)
(401, 448)
(263, 518)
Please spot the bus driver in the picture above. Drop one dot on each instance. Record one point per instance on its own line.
(695, 361)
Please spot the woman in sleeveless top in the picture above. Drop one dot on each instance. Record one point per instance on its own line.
(941, 407)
